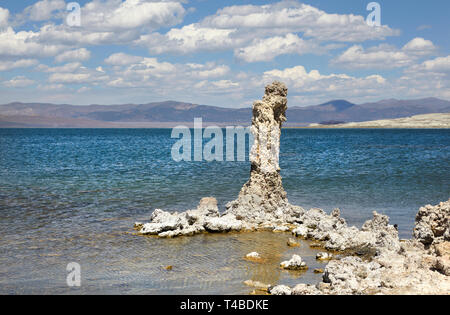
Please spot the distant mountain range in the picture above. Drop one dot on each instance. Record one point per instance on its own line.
(171, 113)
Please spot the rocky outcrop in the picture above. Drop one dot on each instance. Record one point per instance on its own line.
(433, 224)
(372, 259)
(205, 218)
(393, 266)
(262, 202)
(263, 199)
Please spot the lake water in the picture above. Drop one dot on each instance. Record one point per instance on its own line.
(72, 195)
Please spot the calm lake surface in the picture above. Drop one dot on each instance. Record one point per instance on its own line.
(72, 195)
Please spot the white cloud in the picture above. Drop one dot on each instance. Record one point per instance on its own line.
(269, 48)
(292, 16)
(68, 67)
(115, 22)
(440, 64)
(420, 47)
(211, 71)
(21, 63)
(41, 10)
(384, 56)
(251, 29)
(429, 78)
(17, 82)
(121, 59)
(81, 54)
(335, 85)
(190, 38)
(25, 44)
(141, 72)
(4, 16)
(113, 15)
(74, 73)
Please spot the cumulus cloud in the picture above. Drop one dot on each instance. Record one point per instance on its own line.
(142, 71)
(384, 56)
(4, 16)
(26, 44)
(122, 59)
(420, 46)
(297, 17)
(41, 11)
(81, 54)
(68, 67)
(18, 82)
(269, 48)
(115, 22)
(439, 65)
(314, 82)
(429, 78)
(73, 73)
(21, 63)
(190, 38)
(262, 32)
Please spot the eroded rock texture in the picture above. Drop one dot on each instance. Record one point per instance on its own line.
(262, 198)
(388, 265)
(433, 224)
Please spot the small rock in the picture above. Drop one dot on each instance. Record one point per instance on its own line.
(324, 256)
(280, 290)
(168, 267)
(315, 245)
(318, 270)
(293, 243)
(254, 255)
(295, 263)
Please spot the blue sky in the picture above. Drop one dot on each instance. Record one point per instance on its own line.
(222, 52)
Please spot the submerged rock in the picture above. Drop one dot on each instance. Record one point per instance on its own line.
(258, 285)
(293, 243)
(254, 256)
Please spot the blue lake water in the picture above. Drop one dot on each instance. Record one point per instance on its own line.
(73, 195)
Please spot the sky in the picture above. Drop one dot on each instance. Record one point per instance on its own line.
(222, 53)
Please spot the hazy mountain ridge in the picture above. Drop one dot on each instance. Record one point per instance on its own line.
(171, 113)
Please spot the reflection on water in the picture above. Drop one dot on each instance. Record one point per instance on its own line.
(122, 262)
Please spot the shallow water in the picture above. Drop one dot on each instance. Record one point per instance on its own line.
(73, 195)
